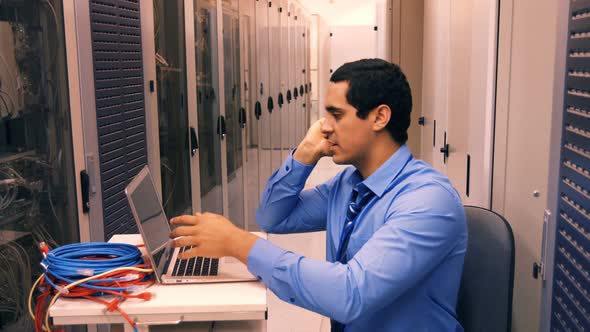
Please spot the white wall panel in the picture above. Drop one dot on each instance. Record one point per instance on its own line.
(435, 80)
(522, 154)
(350, 43)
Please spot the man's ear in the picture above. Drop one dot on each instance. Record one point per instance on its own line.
(381, 117)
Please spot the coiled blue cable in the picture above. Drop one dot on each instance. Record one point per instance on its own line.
(71, 262)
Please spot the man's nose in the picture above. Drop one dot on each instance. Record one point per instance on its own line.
(327, 126)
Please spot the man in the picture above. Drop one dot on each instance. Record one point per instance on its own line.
(396, 232)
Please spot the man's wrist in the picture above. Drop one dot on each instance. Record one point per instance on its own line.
(241, 244)
(306, 154)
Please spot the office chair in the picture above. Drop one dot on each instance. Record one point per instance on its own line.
(485, 295)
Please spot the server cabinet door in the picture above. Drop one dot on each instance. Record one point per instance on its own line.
(177, 139)
(263, 87)
(285, 85)
(234, 139)
(249, 119)
(294, 46)
(299, 78)
(193, 142)
(109, 44)
(308, 70)
(305, 72)
(275, 82)
(208, 105)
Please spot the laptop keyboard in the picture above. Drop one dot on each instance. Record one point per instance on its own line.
(196, 266)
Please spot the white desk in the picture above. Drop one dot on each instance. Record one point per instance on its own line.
(171, 304)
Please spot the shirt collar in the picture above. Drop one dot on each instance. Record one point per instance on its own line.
(386, 173)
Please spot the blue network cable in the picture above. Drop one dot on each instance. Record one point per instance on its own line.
(80, 260)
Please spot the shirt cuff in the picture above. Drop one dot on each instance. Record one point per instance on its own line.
(294, 170)
(262, 258)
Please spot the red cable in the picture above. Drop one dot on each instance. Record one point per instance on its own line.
(79, 291)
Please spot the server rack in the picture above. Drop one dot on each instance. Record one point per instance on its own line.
(274, 107)
(39, 142)
(297, 73)
(307, 85)
(285, 76)
(109, 44)
(566, 275)
(251, 107)
(291, 92)
(301, 59)
(174, 110)
(217, 138)
(209, 105)
(264, 97)
(236, 172)
(240, 109)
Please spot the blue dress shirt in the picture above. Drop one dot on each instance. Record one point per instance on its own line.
(406, 250)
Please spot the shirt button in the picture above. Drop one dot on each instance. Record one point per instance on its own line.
(287, 168)
(292, 300)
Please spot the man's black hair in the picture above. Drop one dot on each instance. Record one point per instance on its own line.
(374, 82)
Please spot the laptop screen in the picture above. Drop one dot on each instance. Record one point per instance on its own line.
(154, 223)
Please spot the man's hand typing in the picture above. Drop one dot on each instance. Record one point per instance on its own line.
(212, 235)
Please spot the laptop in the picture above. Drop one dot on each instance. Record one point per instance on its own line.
(155, 229)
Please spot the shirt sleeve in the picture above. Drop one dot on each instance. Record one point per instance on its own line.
(421, 229)
(286, 208)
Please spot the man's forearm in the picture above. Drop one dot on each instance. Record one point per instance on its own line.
(306, 154)
(281, 196)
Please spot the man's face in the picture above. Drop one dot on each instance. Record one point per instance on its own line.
(349, 134)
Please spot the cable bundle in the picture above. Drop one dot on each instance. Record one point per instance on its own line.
(89, 270)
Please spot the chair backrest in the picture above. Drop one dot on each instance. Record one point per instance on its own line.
(485, 294)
